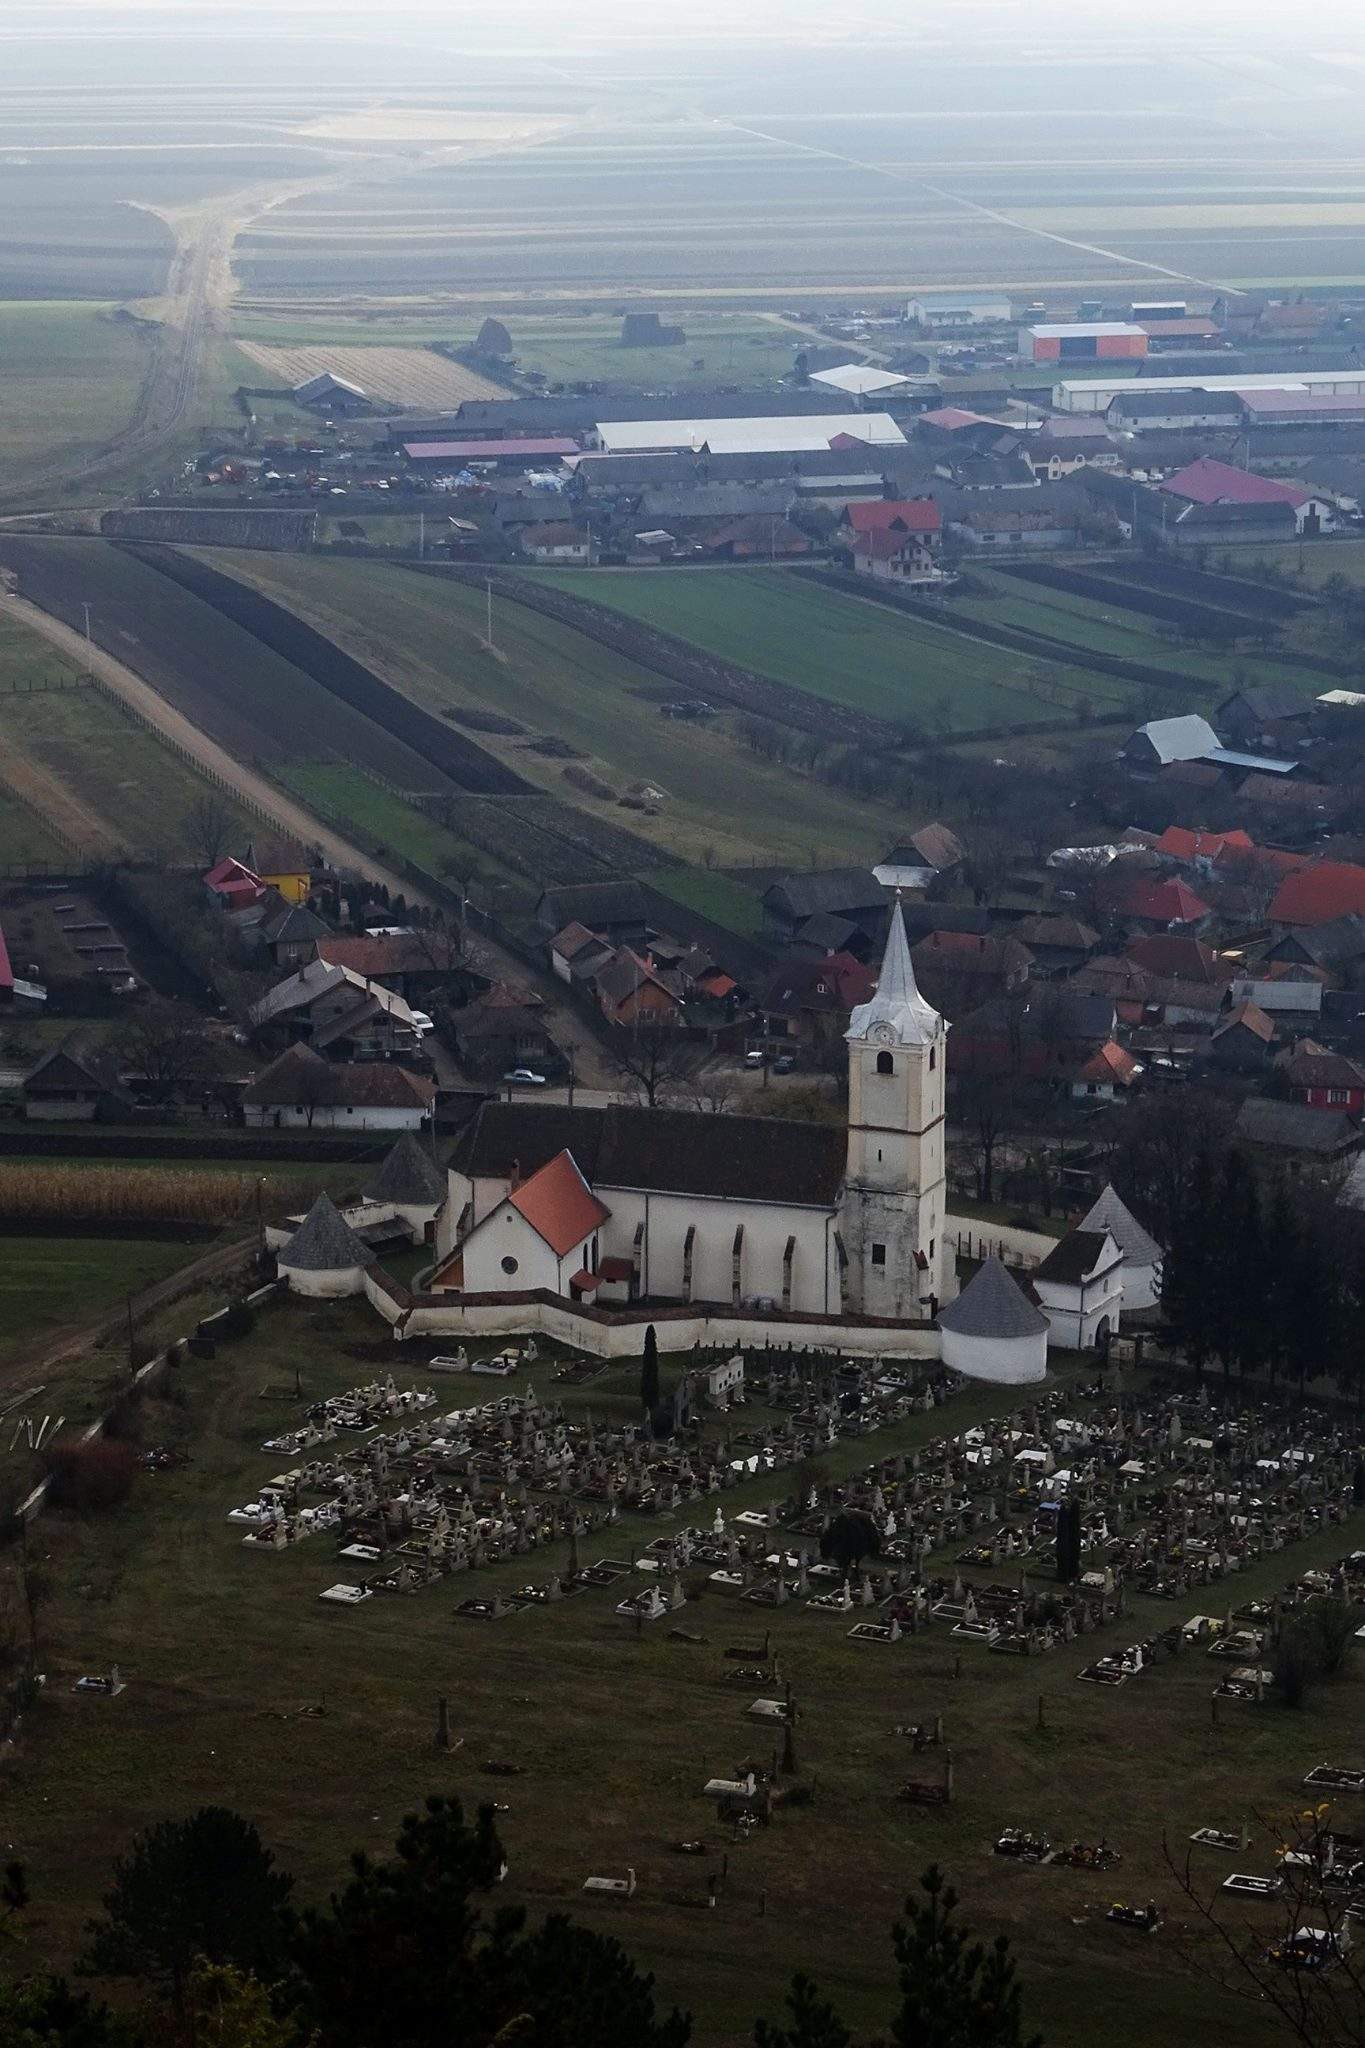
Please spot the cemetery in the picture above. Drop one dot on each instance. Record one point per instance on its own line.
(952, 1583)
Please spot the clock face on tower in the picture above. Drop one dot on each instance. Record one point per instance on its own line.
(882, 1034)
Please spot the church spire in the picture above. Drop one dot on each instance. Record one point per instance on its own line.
(897, 1005)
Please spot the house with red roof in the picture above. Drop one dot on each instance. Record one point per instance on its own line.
(1208, 482)
(234, 886)
(1318, 893)
(1323, 1079)
(1179, 842)
(894, 515)
(1162, 904)
(1107, 1075)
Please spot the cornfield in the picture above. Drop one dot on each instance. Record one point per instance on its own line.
(122, 1194)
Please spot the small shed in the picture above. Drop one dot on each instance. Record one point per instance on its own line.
(993, 1331)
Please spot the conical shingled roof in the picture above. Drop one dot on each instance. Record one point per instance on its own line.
(409, 1176)
(992, 1304)
(325, 1243)
(897, 1007)
(1110, 1213)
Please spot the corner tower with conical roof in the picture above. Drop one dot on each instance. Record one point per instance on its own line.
(892, 1211)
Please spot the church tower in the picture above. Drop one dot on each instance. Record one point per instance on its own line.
(893, 1207)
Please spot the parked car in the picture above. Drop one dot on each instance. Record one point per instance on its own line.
(785, 1063)
(522, 1077)
(421, 1023)
(755, 1059)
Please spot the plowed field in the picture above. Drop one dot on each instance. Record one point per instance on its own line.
(393, 376)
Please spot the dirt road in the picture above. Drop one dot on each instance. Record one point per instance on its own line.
(289, 817)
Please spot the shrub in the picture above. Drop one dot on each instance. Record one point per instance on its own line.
(237, 1320)
(92, 1477)
(1331, 1625)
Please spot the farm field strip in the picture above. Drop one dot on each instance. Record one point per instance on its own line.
(426, 634)
(841, 648)
(395, 376)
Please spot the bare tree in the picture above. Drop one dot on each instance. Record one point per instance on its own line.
(713, 1090)
(987, 1108)
(207, 827)
(1307, 1971)
(652, 1058)
(170, 1048)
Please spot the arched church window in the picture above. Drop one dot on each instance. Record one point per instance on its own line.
(933, 1058)
(885, 1063)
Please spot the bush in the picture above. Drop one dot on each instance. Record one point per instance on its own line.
(237, 1320)
(92, 1477)
(1331, 1625)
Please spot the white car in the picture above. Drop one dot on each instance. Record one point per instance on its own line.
(522, 1077)
(421, 1023)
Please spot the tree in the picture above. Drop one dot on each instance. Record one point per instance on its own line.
(168, 1046)
(812, 2022)
(205, 1889)
(229, 2009)
(850, 1537)
(44, 2012)
(653, 1057)
(986, 1104)
(208, 826)
(955, 1993)
(649, 1372)
(403, 1954)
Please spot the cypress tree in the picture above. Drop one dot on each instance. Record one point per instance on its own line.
(649, 1372)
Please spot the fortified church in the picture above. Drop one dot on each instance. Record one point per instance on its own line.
(611, 1205)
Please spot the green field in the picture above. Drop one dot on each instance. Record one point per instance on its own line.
(426, 634)
(141, 791)
(24, 839)
(347, 796)
(715, 896)
(615, 1733)
(844, 648)
(71, 377)
(48, 1282)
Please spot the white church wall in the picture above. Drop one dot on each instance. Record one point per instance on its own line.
(329, 1286)
(668, 1218)
(1003, 1241)
(505, 1235)
(1141, 1287)
(624, 1339)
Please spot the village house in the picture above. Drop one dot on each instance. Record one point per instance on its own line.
(505, 1028)
(1315, 1143)
(291, 935)
(301, 1090)
(556, 540)
(851, 893)
(75, 1082)
(282, 864)
(336, 1011)
(1241, 1043)
(1321, 1079)
(631, 992)
(417, 965)
(1210, 485)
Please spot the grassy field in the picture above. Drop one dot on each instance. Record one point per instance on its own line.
(1314, 563)
(116, 769)
(841, 648)
(615, 1733)
(735, 348)
(24, 838)
(427, 636)
(715, 896)
(48, 1282)
(71, 378)
(347, 795)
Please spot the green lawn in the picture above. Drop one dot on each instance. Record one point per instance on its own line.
(48, 1282)
(137, 787)
(615, 1732)
(348, 796)
(715, 896)
(24, 839)
(71, 377)
(426, 634)
(843, 648)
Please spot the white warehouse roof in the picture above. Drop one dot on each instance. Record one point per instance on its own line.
(1093, 394)
(859, 379)
(1074, 330)
(793, 433)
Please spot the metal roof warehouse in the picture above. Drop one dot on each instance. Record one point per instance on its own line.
(793, 433)
(1095, 394)
(489, 451)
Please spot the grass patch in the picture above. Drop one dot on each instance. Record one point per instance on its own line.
(838, 647)
(735, 348)
(715, 896)
(72, 377)
(25, 841)
(47, 1282)
(347, 796)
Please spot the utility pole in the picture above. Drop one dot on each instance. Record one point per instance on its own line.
(489, 640)
(86, 609)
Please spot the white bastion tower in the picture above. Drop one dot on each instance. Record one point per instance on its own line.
(893, 1209)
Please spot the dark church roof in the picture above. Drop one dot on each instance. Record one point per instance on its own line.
(992, 1304)
(325, 1242)
(667, 1151)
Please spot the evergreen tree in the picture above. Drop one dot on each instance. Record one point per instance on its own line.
(955, 1993)
(44, 2012)
(1187, 1270)
(403, 1955)
(649, 1372)
(202, 1889)
(811, 2023)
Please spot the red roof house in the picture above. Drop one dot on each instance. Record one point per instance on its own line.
(1163, 903)
(1318, 893)
(1210, 482)
(893, 515)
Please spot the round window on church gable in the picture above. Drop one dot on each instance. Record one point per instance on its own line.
(509, 1264)
(885, 1063)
